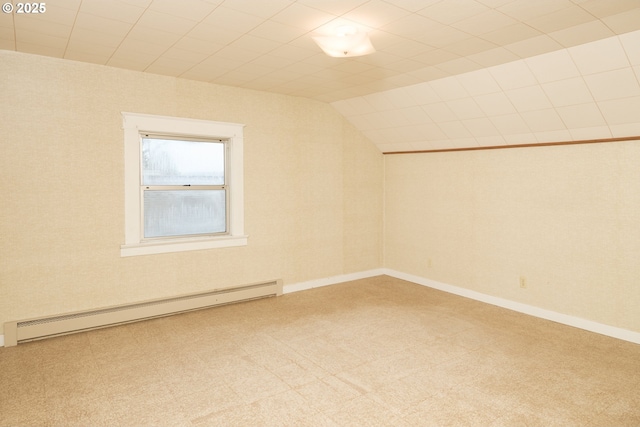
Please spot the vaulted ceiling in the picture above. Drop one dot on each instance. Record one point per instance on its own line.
(446, 73)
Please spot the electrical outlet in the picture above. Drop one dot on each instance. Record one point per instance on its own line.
(523, 282)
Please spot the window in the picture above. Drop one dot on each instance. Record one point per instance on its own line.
(183, 187)
(183, 184)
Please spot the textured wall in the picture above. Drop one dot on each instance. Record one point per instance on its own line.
(565, 218)
(313, 188)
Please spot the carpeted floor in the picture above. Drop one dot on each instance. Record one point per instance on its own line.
(373, 352)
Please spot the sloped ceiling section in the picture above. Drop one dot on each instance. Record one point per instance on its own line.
(590, 91)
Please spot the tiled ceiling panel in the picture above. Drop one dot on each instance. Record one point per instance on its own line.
(584, 92)
(267, 45)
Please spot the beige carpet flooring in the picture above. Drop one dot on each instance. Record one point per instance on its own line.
(373, 352)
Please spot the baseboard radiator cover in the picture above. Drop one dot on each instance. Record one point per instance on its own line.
(50, 326)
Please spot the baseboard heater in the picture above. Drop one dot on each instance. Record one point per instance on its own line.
(44, 327)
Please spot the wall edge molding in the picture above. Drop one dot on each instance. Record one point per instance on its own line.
(535, 144)
(577, 322)
(554, 316)
(316, 283)
(333, 280)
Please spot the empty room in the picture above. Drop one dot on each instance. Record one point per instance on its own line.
(320, 213)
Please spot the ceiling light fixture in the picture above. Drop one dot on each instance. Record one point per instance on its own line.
(346, 43)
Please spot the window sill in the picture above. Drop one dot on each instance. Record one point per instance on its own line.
(182, 245)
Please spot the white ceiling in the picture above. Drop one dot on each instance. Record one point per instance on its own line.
(266, 45)
(585, 92)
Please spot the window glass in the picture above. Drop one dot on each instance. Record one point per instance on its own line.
(177, 162)
(182, 213)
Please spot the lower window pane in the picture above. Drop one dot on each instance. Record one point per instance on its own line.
(180, 213)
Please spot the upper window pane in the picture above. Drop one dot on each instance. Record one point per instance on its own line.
(177, 162)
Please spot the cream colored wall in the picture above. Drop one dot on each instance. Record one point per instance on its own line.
(313, 188)
(566, 218)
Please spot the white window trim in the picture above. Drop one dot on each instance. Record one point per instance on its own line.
(134, 124)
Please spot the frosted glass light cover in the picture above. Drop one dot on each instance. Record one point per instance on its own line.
(345, 45)
(182, 213)
(174, 162)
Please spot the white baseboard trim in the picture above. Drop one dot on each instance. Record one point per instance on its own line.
(303, 286)
(588, 325)
(576, 322)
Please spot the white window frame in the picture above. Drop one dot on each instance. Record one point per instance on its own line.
(134, 126)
